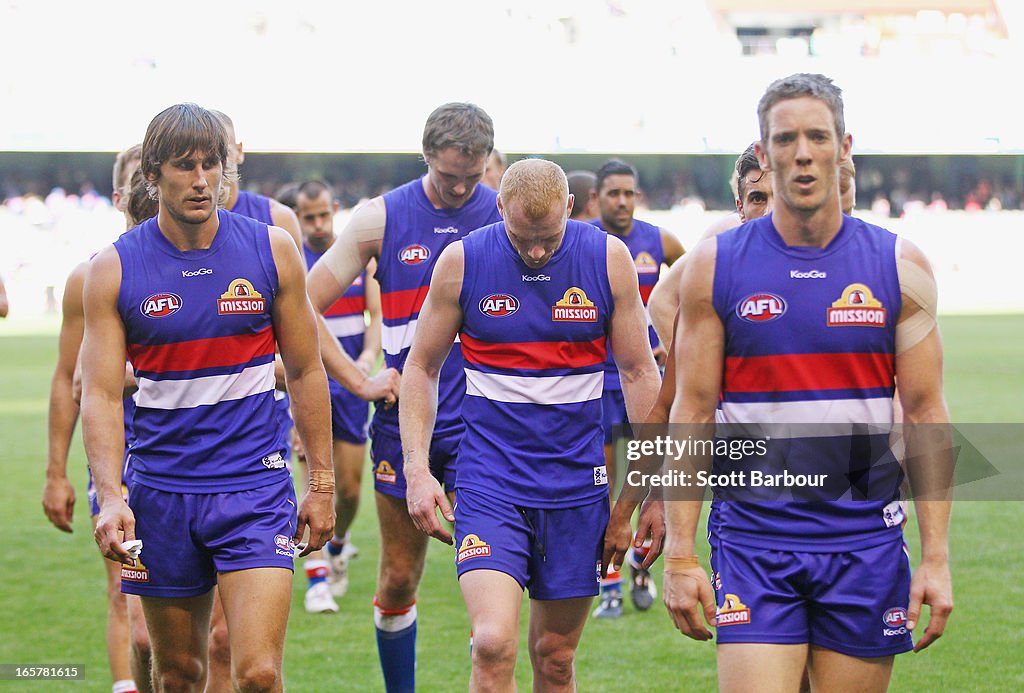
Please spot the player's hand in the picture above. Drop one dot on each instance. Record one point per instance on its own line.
(316, 512)
(617, 537)
(931, 585)
(651, 527)
(423, 494)
(116, 523)
(383, 386)
(59, 502)
(688, 595)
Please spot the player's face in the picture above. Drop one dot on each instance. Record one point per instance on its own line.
(803, 152)
(616, 201)
(536, 240)
(757, 195)
(316, 219)
(453, 176)
(190, 186)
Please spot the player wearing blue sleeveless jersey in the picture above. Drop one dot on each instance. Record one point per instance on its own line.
(405, 230)
(615, 190)
(535, 300)
(840, 307)
(315, 206)
(198, 298)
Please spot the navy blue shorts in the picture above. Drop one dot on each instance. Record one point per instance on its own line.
(386, 453)
(854, 602)
(614, 417)
(553, 552)
(190, 537)
(350, 415)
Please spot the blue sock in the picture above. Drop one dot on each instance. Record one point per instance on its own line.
(396, 646)
(334, 548)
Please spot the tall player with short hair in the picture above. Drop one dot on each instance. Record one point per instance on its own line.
(198, 297)
(405, 230)
(798, 584)
(534, 300)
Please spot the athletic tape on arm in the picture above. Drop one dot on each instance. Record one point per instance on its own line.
(365, 226)
(919, 286)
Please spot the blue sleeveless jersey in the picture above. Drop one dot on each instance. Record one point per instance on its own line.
(644, 245)
(253, 206)
(201, 342)
(534, 344)
(414, 236)
(810, 341)
(344, 317)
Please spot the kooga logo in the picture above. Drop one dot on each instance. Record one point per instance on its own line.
(196, 273)
(536, 278)
(812, 274)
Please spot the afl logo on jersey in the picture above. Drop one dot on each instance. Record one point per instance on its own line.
(414, 254)
(499, 305)
(161, 305)
(761, 307)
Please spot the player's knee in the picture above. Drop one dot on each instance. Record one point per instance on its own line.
(220, 644)
(553, 660)
(257, 677)
(494, 651)
(141, 648)
(179, 673)
(397, 585)
(348, 491)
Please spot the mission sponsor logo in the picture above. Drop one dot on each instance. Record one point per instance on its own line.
(241, 298)
(857, 307)
(574, 306)
(385, 473)
(499, 305)
(895, 621)
(160, 305)
(761, 307)
(135, 573)
(413, 254)
(473, 546)
(646, 264)
(733, 612)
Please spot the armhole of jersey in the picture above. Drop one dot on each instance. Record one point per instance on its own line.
(385, 244)
(723, 275)
(601, 240)
(122, 293)
(468, 280)
(897, 251)
(265, 251)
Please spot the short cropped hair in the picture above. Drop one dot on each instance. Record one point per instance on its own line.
(795, 86)
(141, 205)
(123, 169)
(745, 163)
(463, 126)
(313, 189)
(614, 167)
(581, 184)
(536, 184)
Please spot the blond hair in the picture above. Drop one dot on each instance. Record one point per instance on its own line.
(537, 185)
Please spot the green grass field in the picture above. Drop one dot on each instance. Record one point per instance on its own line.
(52, 583)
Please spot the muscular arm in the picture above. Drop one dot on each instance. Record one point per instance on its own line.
(330, 277)
(929, 453)
(671, 246)
(628, 334)
(440, 319)
(284, 217)
(372, 339)
(58, 493)
(103, 350)
(296, 332)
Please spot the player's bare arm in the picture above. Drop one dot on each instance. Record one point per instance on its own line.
(372, 337)
(699, 347)
(330, 277)
(295, 329)
(58, 493)
(103, 353)
(671, 246)
(441, 315)
(928, 442)
(664, 301)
